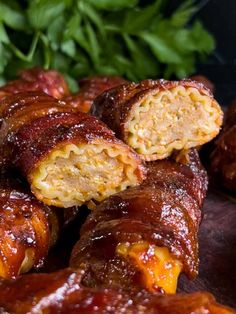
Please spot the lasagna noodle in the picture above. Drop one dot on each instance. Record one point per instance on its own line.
(76, 174)
(157, 118)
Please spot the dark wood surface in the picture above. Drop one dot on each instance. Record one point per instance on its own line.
(217, 243)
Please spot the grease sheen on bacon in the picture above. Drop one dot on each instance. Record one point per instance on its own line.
(63, 293)
(204, 80)
(37, 79)
(163, 212)
(18, 110)
(158, 117)
(28, 228)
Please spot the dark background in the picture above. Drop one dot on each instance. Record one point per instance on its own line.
(219, 17)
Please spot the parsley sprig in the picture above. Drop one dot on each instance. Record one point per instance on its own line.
(113, 37)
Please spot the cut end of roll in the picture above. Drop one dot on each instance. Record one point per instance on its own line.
(72, 175)
(159, 268)
(168, 119)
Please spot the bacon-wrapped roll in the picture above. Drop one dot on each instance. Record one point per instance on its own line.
(62, 292)
(37, 79)
(159, 117)
(68, 158)
(223, 158)
(146, 235)
(90, 88)
(28, 229)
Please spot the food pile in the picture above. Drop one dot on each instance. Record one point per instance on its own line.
(128, 151)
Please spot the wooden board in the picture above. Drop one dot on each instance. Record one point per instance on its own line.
(217, 246)
(217, 241)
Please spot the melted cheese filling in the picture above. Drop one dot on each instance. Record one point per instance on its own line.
(3, 269)
(175, 119)
(158, 266)
(75, 174)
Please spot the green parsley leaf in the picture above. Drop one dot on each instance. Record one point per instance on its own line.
(86, 37)
(14, 18)
(161, 48)
(113, 4)
(41, 13)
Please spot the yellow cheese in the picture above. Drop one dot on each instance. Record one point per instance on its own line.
(158, 266)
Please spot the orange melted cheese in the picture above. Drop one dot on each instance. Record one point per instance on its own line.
(158, 266)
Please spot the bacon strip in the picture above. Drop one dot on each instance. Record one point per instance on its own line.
(90, 88)
(37, 80)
